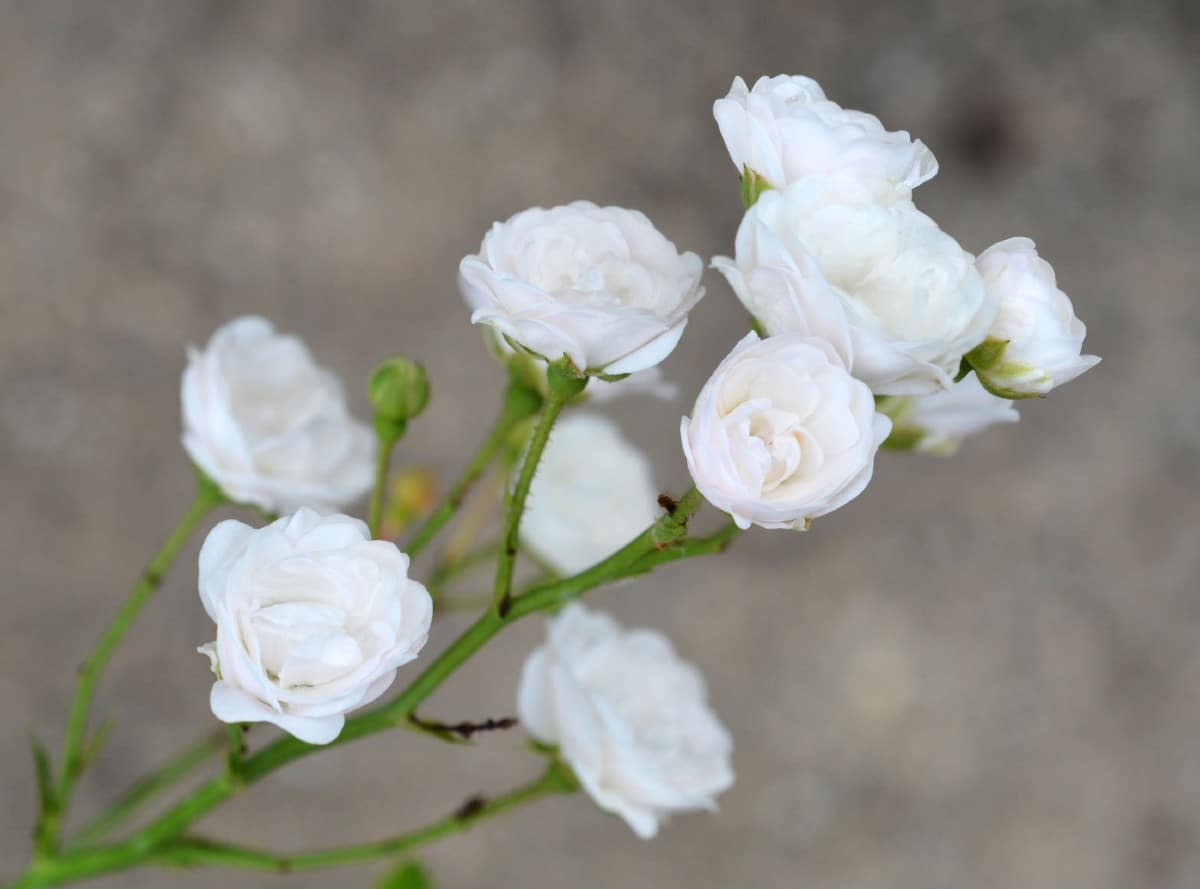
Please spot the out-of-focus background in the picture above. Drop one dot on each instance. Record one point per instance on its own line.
(982, 673)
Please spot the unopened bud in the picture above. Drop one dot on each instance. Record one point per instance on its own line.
(399, 389)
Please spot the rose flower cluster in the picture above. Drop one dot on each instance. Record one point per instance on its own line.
(871, 326)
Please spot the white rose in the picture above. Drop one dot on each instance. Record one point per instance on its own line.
(937, 424)
(898, 297)
(599, 285)
(781, 433)
(269, 425)
(593, 493)
(313, 619)
(1036, 319)
(784, 128)
(628, 715)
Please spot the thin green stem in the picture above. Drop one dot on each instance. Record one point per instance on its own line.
(207, 496)
(236, 734)
(515, 502)
(446, 510)
(197, 852)
(383, 459)
(149, 787)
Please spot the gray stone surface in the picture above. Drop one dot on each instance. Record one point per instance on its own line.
(983, 673)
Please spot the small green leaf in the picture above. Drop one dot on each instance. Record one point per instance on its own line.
(45, 775)
(410, 875)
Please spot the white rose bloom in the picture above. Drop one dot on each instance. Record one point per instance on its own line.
(599, 285)
(1045, 339)
(593, 493)
(269, 425)
(785, 128)
(781, 433)
(313, 619)
(628, 715)
(898, 297)
(937, 424)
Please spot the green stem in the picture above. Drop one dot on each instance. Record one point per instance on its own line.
(193, 852)
(446, 510)
(236, 733)
(149, 787)
(383, 459)
(506, 562)
(207, 496)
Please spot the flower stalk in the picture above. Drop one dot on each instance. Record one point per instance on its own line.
(564, 383)
(207, 496)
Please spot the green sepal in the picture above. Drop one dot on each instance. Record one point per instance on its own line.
(541, 748)
(609, 378)
(753, 185)
(561, 779)
(1002, 391)
(409, 875)
(564, 379)
(964, 368)
(985, 356)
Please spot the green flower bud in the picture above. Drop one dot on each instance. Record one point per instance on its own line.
(399, 389)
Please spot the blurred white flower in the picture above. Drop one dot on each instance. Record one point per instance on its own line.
(269, 425)
(598, 285)
(937, 424)
(630, 717)
(313, 619)
(898, 298)
(593, 492)
(785, 128)
(781, 433)
(1036, 320)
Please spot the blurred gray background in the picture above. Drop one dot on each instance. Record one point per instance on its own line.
(983, 673)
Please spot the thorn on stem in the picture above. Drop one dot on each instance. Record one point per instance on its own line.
(466, 729)
(470, 808)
